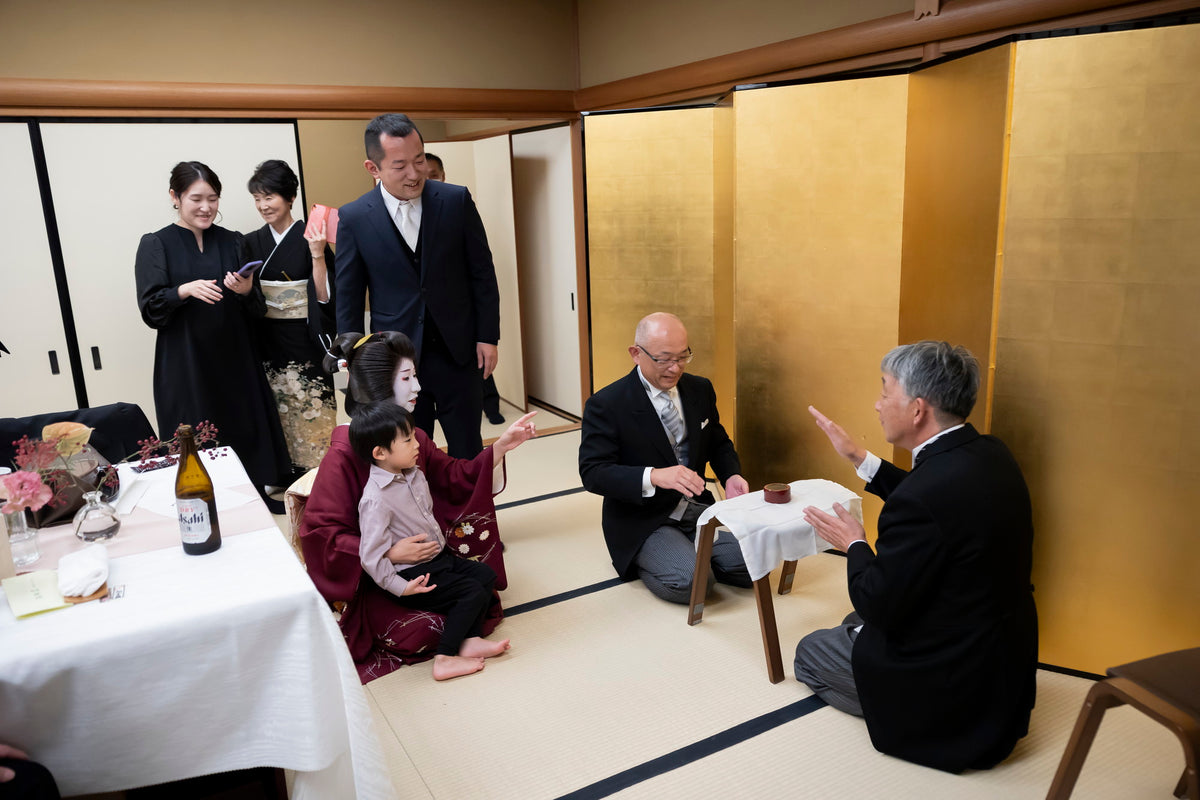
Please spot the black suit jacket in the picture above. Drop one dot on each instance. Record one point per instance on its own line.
(455, 281)
(946, 661)
(622, 435)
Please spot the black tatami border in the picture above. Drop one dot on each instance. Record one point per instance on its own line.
(549, 496)
(686, 754)
(534, 605)
(697, 750)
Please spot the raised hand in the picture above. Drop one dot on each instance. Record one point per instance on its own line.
(517, 434)
(841, 441)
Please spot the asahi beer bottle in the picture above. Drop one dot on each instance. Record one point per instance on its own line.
(194, 499)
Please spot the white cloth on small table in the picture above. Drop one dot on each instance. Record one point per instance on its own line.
(769, 533)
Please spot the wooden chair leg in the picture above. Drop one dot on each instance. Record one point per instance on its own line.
(1099, 699)
(770, 633)
(700, 573)
(785, 576)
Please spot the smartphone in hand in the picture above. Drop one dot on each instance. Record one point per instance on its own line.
(249, 268)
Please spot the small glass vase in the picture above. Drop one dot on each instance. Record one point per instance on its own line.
(22, 540)
(97, 520)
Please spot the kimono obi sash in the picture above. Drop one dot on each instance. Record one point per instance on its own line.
(286, 299)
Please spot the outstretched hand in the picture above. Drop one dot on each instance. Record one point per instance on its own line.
(840, 531)
(517, 434)
(841, 441)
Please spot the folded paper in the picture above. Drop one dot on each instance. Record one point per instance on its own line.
(33, 593)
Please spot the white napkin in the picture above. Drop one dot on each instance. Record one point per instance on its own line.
(83, 572)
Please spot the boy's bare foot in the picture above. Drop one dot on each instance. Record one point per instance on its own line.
(478, 647)
(446, 667)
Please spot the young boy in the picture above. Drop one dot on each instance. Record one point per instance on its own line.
(395, 505)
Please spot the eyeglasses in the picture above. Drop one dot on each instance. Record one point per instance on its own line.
(663, 362)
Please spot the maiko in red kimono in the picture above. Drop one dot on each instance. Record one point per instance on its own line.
(381, 632)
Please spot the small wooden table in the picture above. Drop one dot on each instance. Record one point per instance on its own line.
(768, 533)
(762, 596)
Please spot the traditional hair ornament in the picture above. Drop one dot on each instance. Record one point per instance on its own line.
(362, 341)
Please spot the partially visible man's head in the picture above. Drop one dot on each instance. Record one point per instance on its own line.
(396, 155)
(945, 376)
(660, 349)
(435, 168)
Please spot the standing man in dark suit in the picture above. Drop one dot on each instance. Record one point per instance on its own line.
(420, 249)
(940, 654)
(646, 440)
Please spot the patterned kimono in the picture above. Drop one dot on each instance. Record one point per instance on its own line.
(381, 632)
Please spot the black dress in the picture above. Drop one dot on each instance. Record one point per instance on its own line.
(290, 340)
(206, 362)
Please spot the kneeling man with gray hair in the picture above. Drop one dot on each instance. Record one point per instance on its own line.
(940, 653)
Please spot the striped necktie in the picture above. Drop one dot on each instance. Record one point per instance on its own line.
(674, 425)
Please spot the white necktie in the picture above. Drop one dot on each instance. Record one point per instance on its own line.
(408, 228)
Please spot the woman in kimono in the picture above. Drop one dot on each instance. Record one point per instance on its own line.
(381, 633)
(206, 362)
(297, 280)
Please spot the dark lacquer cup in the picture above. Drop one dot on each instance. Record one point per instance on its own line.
(777, 493)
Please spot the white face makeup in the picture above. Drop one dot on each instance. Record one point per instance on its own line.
(406, 387)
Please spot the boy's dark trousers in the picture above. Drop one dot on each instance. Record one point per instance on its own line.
(463, 594)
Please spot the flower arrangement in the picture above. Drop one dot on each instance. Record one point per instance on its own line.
(44, 468)
(47, 468)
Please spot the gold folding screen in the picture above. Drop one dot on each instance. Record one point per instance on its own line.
(1098, 348)
(1039, 202)
(820, 202)
(957, 119)
(650, 231)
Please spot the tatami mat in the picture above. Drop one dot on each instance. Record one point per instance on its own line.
(608, 681)
(592, 686)
(553, 546)
(542, 466)
(405, 778)
(828, 754)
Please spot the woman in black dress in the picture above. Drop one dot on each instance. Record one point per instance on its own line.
(206, 362)
(297, 280)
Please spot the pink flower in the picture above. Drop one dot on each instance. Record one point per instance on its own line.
(25, 490)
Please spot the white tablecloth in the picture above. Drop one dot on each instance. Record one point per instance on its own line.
(205, 664)
(769, 533)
